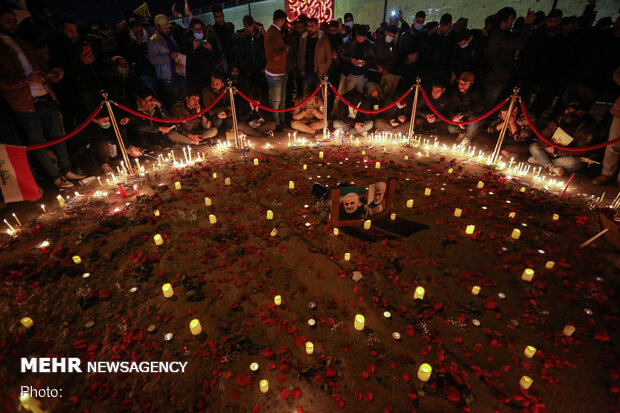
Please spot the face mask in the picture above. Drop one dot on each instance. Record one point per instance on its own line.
(198, 36)
(346, 39)
(418, 27)
(105, 125)
(350, 24)
(389, 39)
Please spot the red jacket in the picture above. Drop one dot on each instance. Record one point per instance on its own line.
(275, 51)
(15, 90)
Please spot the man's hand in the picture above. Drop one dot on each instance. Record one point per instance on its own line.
(402, 118)
(173, 55)
(354, 61)
(430, 118)
(34, 77)
(194, 137)
(358, 127)
(394, 123)
(530, 17)
(380, 69)
(221, 115)
(124, 121)
(207, 45)
(87, 57)
(59, 73)
(164, 129)
(207, 123)
(458, 118)
(412, 57)
(549, 149)
(334, 55)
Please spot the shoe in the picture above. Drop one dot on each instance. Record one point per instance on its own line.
(557, 170)
(270, 135)
(465, 141)
(107, 169)
(73, 175)
(532, 160)
(134, 151)
(602, 180)
(61, 182)
(460, 137)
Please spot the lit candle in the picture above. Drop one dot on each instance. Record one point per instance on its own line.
(406, 157)
(427, 192)
(527, 275)
(320, 154)
(212, 219)
(525, 382)
(480, 184)
(336, 231)
(568, 330)
(254, 366)
(17, 219)
(410, 203)
(304, 167)
(177, 185)
(264, 386)
(347, 256)
(256, 161)
(450, 170)
(529, 351)
(309, 347)
(29, 404)
(227, 181)
(195, 327)
(475, 290)
(512, 215)
(99, 179)
(549, 265)
(393, 216)
(214, 175)
(424, 372)
(43, 208)
(158, 239)
(156, 212)
(269, 214)
(367, 224)
(470, 229)
(167, 290)
(61, 201)
(378, 165)
(273, 232)
(26, 322)
(363, 152)
(277, 300)
(77, 259)
(359, 322)
(516, 233)
(208, 201)
(387, 314)
(555, 217)
(458, 212)
(522, 189)
(419, 292)
(291, 185)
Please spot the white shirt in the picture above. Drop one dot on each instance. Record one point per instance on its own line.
(36, 89)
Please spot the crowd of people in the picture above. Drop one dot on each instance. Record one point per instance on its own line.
(52, 73)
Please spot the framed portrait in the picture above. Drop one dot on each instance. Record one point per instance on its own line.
(351, 206)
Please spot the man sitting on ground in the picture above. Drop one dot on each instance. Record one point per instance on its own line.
(574, 128)
(465, 103)
(348, 119)
(251, 119)
(220, 114)
(425, 117)
(308, 118)
(198, 129)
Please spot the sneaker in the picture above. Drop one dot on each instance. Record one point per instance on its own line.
(557, 170)
(602, 180)
(465, 141)
(73, 175)
(61, 182)
(107, 169)
(532, 160)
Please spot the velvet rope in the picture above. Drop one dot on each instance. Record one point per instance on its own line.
(162, 120)
(68, 135)
(268, 109)
(564, 148)
(440, 116)
(370, 112)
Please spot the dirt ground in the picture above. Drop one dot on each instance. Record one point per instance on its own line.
(227, 274)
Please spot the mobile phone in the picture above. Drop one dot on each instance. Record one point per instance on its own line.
(203, 41)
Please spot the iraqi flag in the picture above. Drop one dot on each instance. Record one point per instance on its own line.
(16, 180)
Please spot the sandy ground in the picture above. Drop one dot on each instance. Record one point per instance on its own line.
(227, 274)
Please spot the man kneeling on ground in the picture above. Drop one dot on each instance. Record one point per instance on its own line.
(199, 129)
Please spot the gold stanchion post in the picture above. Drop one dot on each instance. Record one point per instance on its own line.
(233, 111)
(117, 132)
(414, 107)
(325, 106)
(502, 132)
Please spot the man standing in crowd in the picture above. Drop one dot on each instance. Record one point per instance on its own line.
(24, 84)
(275, 71)
(251, 55)
(314, 56)
(358, 56)
(199, 54)
(387, 57)
(612, 152)
(162, 53)
(441, 46)
(136, 55)
(224, 40)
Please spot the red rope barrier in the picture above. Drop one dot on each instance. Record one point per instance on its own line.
(370, 112)
(268, 109)
(162, 120)
(68, 135)
(564, 148)
(440, 116)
